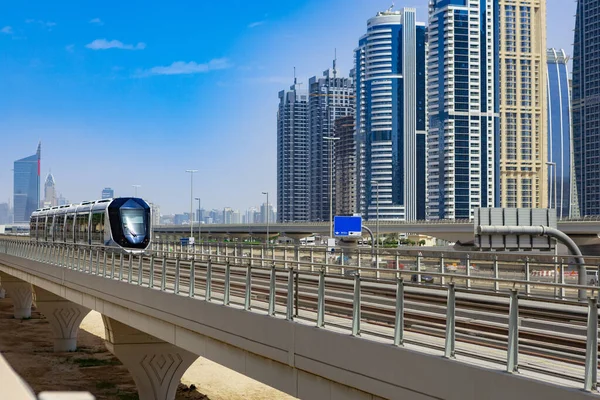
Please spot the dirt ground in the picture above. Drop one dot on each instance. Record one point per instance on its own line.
(27, 346)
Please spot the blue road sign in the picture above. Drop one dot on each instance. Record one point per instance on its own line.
(344, 226)
(184, 241)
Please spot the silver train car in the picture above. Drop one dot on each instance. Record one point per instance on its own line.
(121, 223)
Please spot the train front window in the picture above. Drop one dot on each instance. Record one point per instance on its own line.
(133, 222)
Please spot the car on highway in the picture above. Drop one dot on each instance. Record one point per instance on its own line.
(424, 278)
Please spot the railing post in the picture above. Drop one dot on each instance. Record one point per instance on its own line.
(104, 259)
(208, 293)
(468, 270)
(91, 263)
(591, 351)
(163, 277)
(141, 270)
(247, 298)
(442, 269)
(272, 292)
(79, 258)
(112, 266)
(130, 269)
(356, 314)
(399, 321)
(151, 277)
(97, 261)
(227, 283)
(450, 323)
(419, 267)
(562, 278)
(312, 260)
(496, 274)
(177, 274)
(192, 285)
(289, 315)
(512, 355)
(527, 277)
(321, 299)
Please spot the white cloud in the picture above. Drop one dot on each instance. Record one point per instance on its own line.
(70, 48)
(7, 30)
(186, 68)
(255, 24)
(103, 44)
(96, 21)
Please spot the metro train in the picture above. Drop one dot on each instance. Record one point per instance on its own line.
(122, 223)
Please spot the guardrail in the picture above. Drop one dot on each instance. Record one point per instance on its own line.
(284, 288)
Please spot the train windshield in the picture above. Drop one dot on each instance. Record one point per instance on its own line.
(133, 221)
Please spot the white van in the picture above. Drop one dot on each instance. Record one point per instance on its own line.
(591, 278)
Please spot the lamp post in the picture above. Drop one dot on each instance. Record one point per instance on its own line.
(267, 212)
(330, 139)
(553, 185)
(136, 188)
(376, 183)
(191, 172)
(199, 221)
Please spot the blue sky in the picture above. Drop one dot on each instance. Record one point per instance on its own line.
(136, 92)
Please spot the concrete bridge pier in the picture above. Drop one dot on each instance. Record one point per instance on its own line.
(156, 366)
(64, 317)
(21, 294)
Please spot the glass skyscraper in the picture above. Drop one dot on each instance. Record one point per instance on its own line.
(391, 117)
(108, 193)
(586, 106)
(292, 156)
(560, 179)
(27, 186)
(463, 107)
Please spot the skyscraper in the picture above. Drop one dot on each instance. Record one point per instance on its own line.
(292, 155)
(330, 97)
(463, 107)
(27, 186)
(586, 106)
(523, 105)
(345, 166)
(108, 193)
(560, 149)
(391, 116)
(50, 199)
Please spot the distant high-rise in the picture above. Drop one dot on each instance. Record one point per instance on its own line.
(391, 119)
(586, 106)
(523, 103)
(50, 199)
(560, 146)
(108, 193)
(330, 97)
(27, 186)
(463, 107)
(292, 155)
(4, 213)
(345, 166)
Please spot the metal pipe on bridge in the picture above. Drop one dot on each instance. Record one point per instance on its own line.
(542, 230)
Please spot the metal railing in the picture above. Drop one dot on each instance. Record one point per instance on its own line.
(365, 301)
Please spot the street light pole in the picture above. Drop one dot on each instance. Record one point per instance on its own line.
(376, 183)
(191, 172)
(330, 139)
(267, 212)
(553, 185)
(136, 188)
(199, 221)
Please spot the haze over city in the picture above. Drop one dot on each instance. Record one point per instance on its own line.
(124, 94)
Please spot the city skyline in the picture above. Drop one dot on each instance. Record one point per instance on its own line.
(69, 86)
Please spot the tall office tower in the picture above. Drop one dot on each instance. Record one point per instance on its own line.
(586, 106)
(155, 210)
(523, 103)
(561, 184)
(4, 213)
(27, 186)
(267, 210)
(292, 155)
(345, 166)
(228, 215)
(108, 193)
(391, 119)
(50, 199)
(463, 107)
(330, 97)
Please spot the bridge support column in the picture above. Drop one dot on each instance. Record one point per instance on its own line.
(156, 366)
(21, 294)
(64, 317)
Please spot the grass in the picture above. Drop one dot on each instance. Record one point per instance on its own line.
(94, 362)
